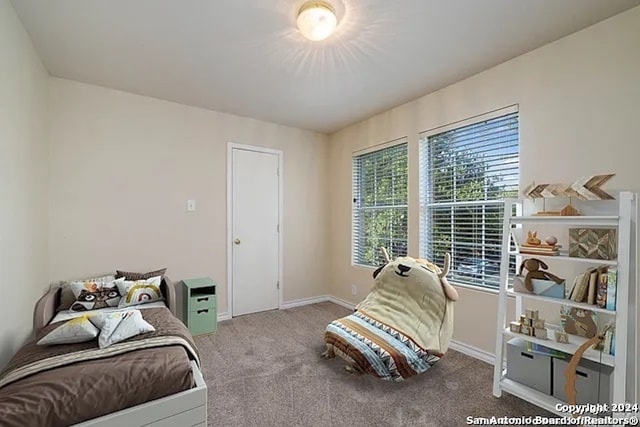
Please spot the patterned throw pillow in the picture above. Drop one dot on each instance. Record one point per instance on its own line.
(117, 326)
(135, 292)
(73, 331)
(66, 294)
(93, 295)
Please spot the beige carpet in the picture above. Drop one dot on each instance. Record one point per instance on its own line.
(265, 369)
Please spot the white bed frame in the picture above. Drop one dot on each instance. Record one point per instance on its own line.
(185, 409)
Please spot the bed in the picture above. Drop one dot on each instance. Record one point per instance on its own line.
(151, 379)
(402, 328)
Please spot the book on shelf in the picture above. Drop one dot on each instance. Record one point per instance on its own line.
(569, 294)
(582, 287)
(533, 252)
(612, 282)
(545, 351)
(541, 249)
(578, 291)
(541, 246)
(586, 286)
(612, 347)
(593, 284)
(601, 292)
(609, 342)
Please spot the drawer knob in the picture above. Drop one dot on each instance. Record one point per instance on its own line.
(236, 241)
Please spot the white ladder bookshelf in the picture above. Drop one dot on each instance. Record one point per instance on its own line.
(624, 362)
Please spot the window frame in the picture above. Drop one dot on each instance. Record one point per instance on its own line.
(424, 206)
(355, 208)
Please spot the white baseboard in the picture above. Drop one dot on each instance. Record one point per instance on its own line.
(339, 301)
(477, 353)
(223, 316)
(303, 301)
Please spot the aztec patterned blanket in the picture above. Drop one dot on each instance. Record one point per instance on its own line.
(377, 349)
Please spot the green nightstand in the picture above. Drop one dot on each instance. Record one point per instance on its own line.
(200, 305)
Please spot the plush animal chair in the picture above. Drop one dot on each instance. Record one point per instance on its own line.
(402, 327)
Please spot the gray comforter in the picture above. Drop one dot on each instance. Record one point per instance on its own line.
(62, 385)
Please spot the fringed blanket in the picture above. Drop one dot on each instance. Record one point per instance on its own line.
(377, 349)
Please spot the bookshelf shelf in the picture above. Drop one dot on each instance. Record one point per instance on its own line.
(560, 301)
(611, 220)
(540, 399)
(564, 257)
(625, 375)
(570, 348)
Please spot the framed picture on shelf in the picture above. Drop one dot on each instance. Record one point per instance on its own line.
(578, 321)
(594, 243)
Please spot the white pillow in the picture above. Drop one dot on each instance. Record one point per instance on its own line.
(93, 295)
(73, 331)
(119, 325)
(135, 292)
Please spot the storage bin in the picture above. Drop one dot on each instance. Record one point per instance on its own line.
(545, 288)
(593, 381)
(530, 369)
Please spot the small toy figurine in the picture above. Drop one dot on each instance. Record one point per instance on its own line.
(532, 238)
(533, 266)
(561, 337)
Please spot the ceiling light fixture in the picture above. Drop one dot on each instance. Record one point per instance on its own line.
(316, 20)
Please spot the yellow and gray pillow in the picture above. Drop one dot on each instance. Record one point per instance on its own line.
(136, 292)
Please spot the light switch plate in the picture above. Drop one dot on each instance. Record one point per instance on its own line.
(191, 205)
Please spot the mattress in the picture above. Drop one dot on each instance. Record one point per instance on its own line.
(79, 390)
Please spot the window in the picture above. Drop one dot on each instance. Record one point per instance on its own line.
(379, 204)
(465, 174)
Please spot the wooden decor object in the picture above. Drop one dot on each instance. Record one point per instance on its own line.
(585, 188)
(588, 188)
(594, 243)
(561, 337)
(541, 333)
(569, 210)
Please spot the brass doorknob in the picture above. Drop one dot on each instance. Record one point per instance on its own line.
(237, 241)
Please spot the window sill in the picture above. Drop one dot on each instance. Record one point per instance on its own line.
(475, 288)
(368, 267)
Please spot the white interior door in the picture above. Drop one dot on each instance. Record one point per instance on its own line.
(255, 216)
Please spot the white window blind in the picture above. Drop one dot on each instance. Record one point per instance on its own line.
(380, 204)
(465, 174)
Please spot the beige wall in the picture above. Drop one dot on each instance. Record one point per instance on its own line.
(579, 103)
(123, 167)
(23, 182)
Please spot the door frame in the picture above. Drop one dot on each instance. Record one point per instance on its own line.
(235, 146)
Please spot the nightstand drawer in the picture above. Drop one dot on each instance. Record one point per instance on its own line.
(202, 301)
(203, 321)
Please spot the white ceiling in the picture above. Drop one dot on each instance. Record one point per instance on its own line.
(246, 57)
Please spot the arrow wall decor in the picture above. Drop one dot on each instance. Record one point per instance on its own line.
(588, 188)
(585, 188)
